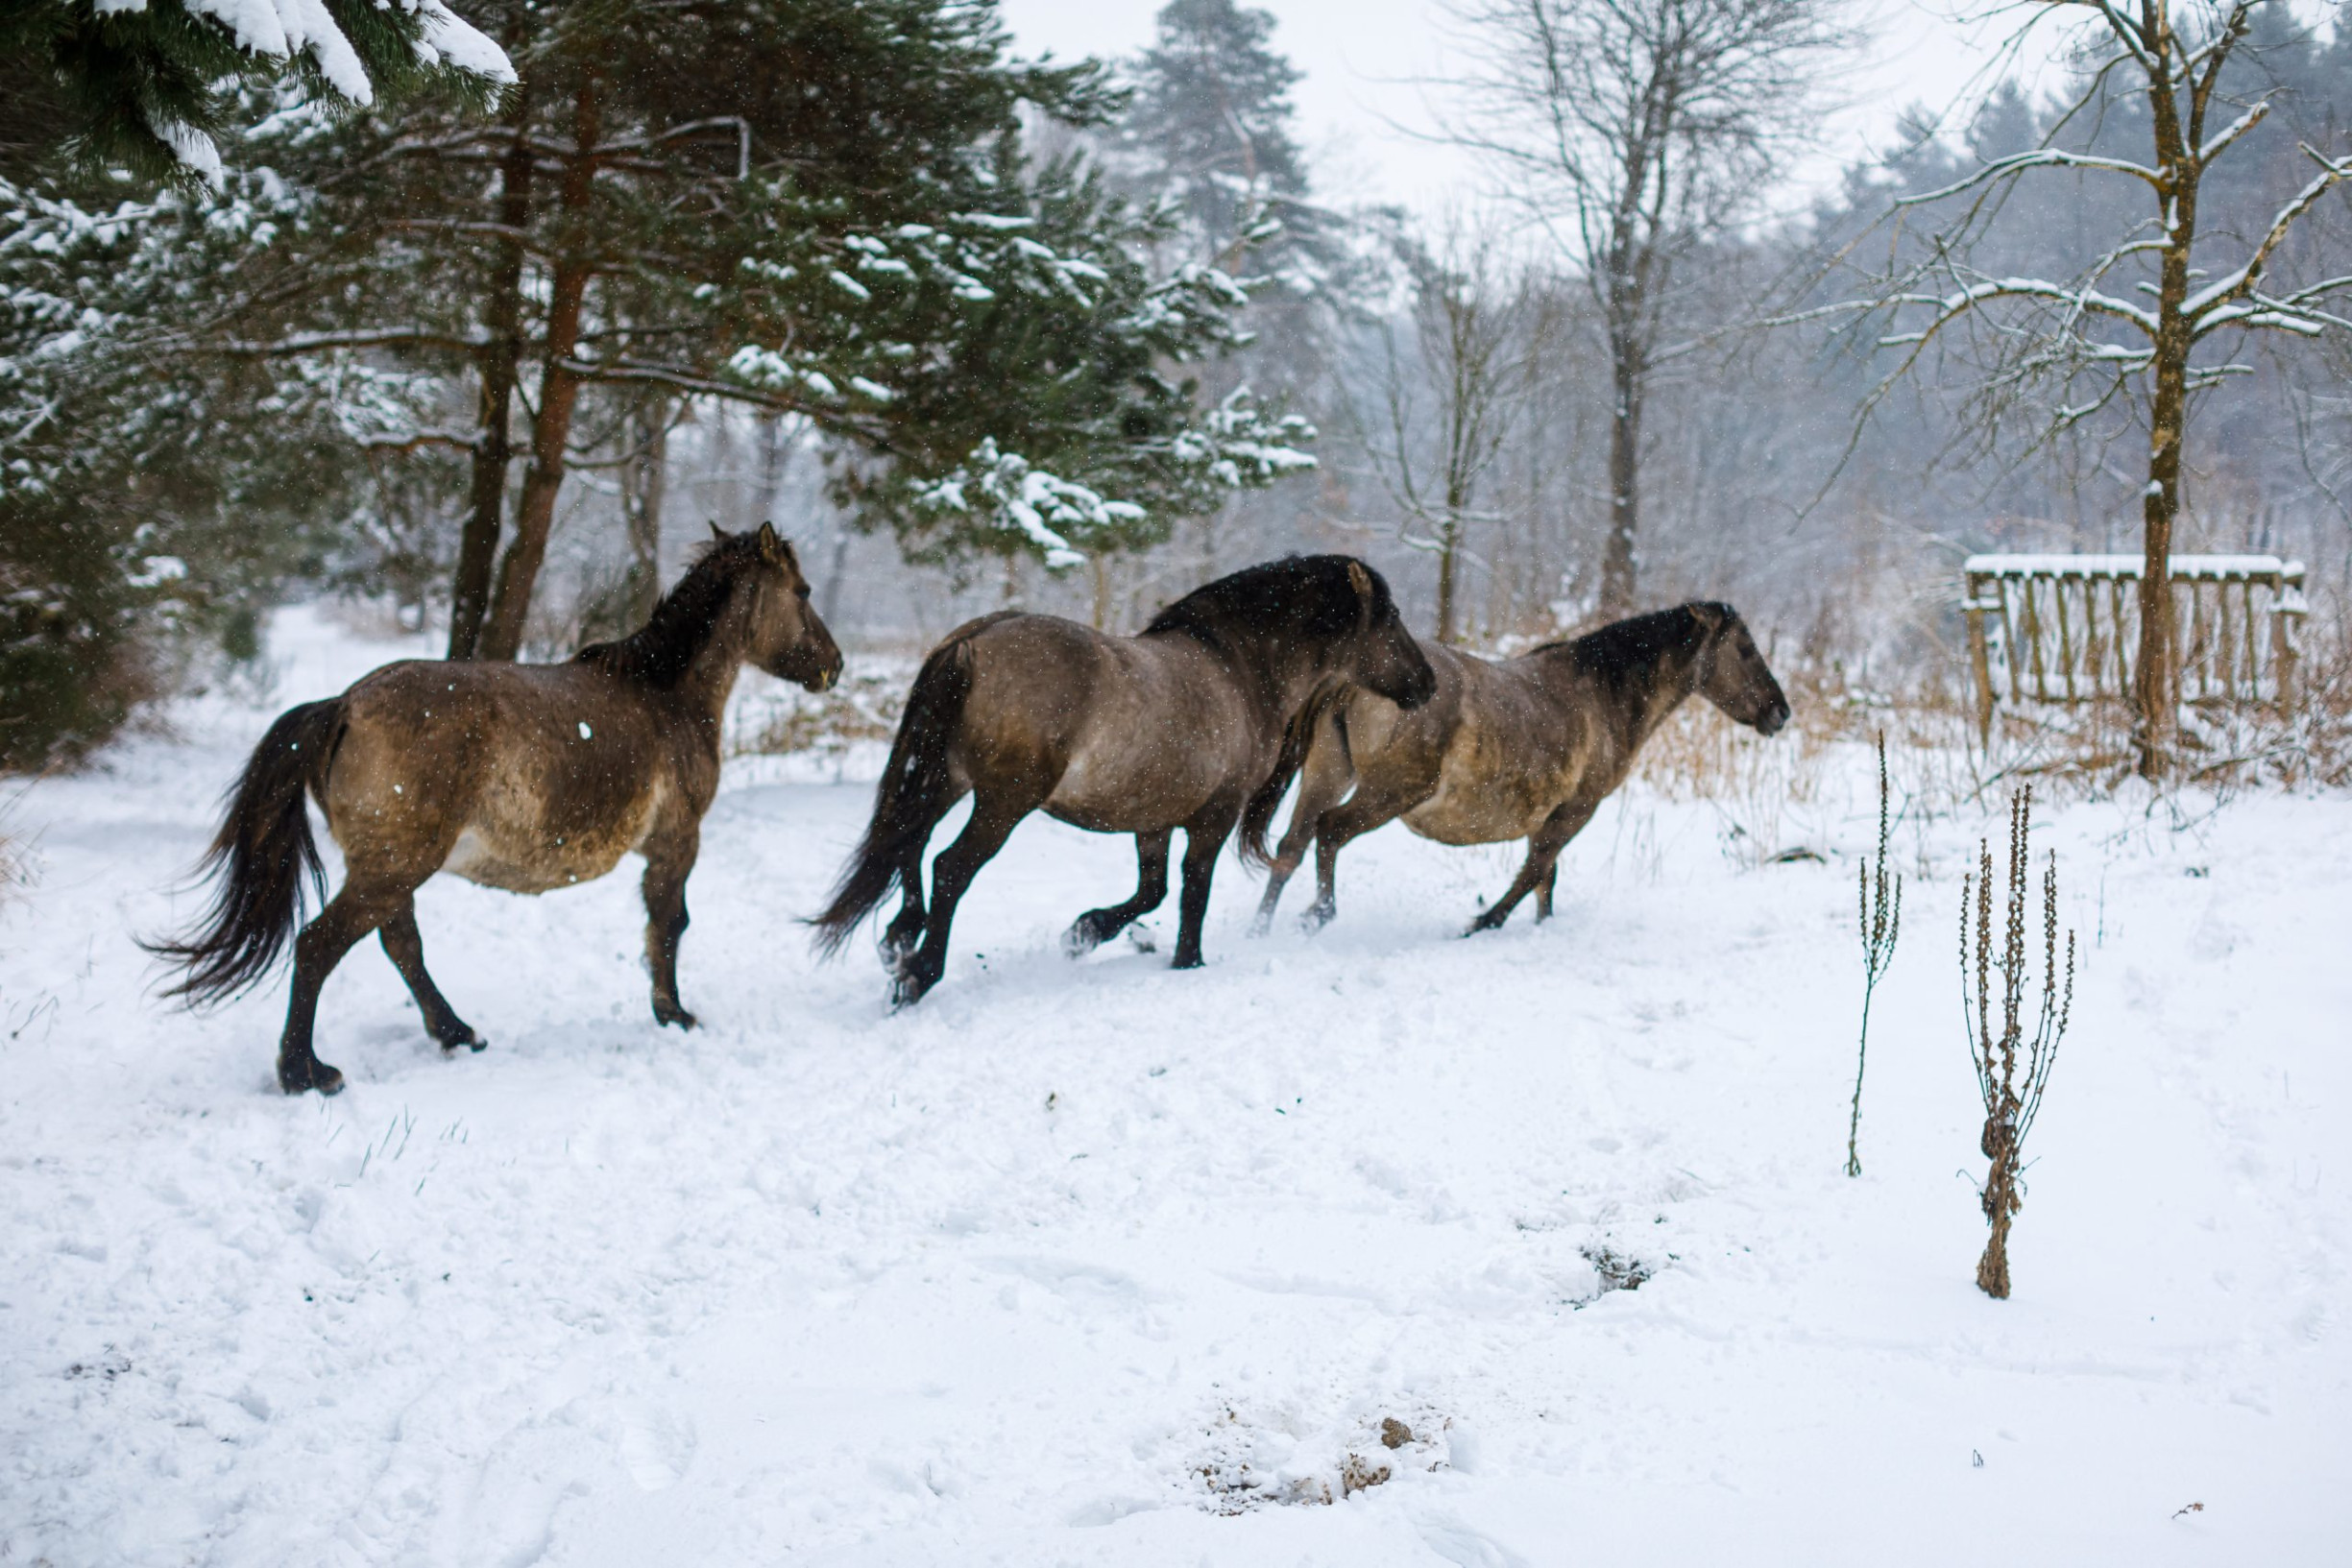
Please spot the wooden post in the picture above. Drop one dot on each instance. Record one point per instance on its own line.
(1980, 660)
(2065, 640)
(2253, 658)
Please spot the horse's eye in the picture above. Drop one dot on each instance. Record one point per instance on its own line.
(802, 590)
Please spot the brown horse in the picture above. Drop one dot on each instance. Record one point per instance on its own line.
(1527, 748)
(1177, 727)
(526, 777)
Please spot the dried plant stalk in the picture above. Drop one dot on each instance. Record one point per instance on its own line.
(2012, 1064)
(1879, 916)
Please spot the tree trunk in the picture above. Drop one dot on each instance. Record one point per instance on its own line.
(496, 366)
(2155, 679)
(1619, 561)
(559, 393)
(642, 481)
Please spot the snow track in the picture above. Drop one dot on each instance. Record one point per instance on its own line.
(1100, 1262)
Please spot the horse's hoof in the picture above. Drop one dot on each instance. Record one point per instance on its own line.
(906, 991)
(327, 1080)
(463, 1036)
(1316, 919)
(673, 1014)
(1079, 940)
(1181, 961)
(1259, 926)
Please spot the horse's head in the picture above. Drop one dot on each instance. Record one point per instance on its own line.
(1379, 655)
(1732, 673)
(789, 640)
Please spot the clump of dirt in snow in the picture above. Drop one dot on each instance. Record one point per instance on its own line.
(1249, 1463)
(1614, 1269)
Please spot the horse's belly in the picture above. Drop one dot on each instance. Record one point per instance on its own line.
(1494, 812)
(533, 857)
(1115, 795)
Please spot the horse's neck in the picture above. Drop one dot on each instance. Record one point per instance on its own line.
(1676, 678)
(711, 674)
(1274, 676)
(1658, 691)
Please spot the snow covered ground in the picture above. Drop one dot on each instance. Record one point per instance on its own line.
(1103, 1264)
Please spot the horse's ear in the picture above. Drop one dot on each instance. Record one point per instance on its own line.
(1712, 618)
(719, 535)
(772, 549)
(1362, 582)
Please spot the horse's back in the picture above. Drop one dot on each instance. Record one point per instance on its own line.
(1116, 732)
(1516, 744)
(522, 777)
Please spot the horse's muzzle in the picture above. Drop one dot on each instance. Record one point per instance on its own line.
(1774, 718)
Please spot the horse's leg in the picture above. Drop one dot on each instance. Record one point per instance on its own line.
(1543, 892)
(1203, 838)
(1544, 848)
(993, 820)
(1365, 811)
(906, 927)
(670, 859)
(1096, 927)
(1321, 783)
(404, 946)
(348, 916)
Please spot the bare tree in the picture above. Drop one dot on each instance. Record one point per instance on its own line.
(1634, 130)
(1478, 329)
(2060, 335)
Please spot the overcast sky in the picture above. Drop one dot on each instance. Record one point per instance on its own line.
(1362, 58)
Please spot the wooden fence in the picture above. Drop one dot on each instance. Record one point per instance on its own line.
(2065, 628)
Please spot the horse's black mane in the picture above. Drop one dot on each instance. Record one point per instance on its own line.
(1625, 648)
(1307, 595)
(660, 652)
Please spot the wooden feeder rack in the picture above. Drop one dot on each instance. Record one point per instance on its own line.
(2063, 629)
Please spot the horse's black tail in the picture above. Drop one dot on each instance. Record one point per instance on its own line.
(261, 858)
(1297, 740)
(914, 794)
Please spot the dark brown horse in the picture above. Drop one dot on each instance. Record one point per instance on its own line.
(1527, 748)
(1177, 727)
(526, 777)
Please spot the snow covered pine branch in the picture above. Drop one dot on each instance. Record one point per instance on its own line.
(154, 82)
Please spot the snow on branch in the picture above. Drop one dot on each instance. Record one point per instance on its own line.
(2220, 140)
(1003, 489)
(2208, 310)
(285, 30)
(1950, 306)
(2020, 162)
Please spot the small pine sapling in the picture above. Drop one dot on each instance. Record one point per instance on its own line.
(2012, 1065)
(1879, 918)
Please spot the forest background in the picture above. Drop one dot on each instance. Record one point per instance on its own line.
(484, 338)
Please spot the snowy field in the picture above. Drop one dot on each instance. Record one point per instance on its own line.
(1103, 1264)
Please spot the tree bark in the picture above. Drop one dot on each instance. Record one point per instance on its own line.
(559, 393)
(2155, 679)
(1620, 560)
(643, 482)
(496, 367)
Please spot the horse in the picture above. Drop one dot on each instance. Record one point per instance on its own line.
(1179, 726)
(1525, 748)
(525, 777)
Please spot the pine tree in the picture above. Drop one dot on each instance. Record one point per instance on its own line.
(148, 85)
(814, 209)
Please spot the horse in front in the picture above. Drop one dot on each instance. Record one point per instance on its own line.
(1520, 748)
